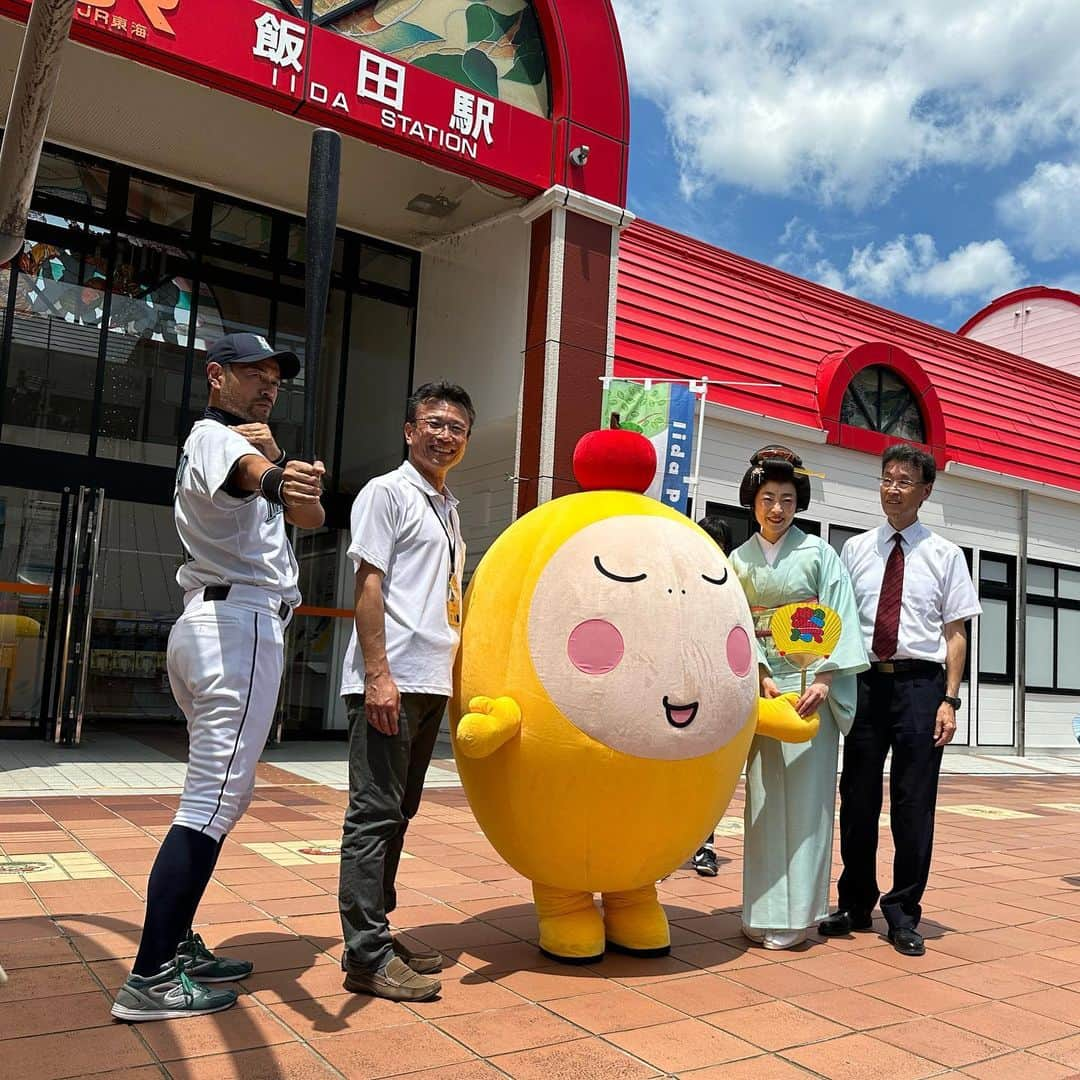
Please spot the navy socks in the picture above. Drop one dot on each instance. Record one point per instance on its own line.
(178, 880)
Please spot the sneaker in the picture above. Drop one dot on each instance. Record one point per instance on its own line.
(202, 965)
(705, 862)
(395, 981)
(169, 995)
(422, 960)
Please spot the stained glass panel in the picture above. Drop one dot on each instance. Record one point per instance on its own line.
(491, 46)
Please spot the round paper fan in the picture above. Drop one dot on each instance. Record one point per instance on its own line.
(805, 633)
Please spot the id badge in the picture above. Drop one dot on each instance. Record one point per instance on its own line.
(453, 601)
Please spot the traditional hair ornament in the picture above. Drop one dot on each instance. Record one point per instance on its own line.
(775, 462)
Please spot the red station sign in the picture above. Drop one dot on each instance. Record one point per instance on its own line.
(262, 54)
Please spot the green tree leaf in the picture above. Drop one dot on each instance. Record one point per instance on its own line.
(449, 67)
(529, 67)
(481, 72)
(479, 22)
(528, 29)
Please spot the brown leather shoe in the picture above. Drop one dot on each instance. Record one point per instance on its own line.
(396, 981)
(423, 961)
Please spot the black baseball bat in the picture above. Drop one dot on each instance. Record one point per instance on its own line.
(323, 176)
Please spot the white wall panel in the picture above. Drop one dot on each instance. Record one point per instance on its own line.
(471, 330)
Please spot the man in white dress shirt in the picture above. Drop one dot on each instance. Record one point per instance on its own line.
(409, 558)
(914, 594)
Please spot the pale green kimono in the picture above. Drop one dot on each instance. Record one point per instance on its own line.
(791, 787)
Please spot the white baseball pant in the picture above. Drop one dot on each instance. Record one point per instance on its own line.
(225, 663)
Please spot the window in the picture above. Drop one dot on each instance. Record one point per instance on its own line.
(65, 178)
(879, 400)
(997, 594)
(123, 281)
(839, 535)
(1052, 628)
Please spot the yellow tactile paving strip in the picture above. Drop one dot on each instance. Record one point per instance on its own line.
(729, 826)
(63, 866)
(987, 813)
(299, 852)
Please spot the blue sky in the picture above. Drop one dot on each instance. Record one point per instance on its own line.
(918, 154)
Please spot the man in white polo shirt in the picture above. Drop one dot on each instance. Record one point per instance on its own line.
(408, 553)
(914, 594)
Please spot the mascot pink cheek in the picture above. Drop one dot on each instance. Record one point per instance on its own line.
(738, 651)
(595, 647)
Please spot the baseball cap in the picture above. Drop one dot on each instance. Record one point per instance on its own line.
(250, 349)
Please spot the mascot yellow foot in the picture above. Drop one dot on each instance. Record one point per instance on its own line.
(635, 923)
(571, 930)
(778, 719)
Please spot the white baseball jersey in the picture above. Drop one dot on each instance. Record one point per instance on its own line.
(228, 540)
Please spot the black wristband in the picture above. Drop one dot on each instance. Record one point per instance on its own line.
(282, 461)
(270, 484)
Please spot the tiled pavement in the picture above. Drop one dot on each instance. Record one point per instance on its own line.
(110, 763)
(996, 996)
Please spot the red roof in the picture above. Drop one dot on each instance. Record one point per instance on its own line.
(685, 309)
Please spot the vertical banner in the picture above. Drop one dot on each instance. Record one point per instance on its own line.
(664, 414)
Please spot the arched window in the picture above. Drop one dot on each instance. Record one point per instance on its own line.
(492, 47)
(878, 399)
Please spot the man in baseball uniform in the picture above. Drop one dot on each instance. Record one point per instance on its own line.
(235, 492)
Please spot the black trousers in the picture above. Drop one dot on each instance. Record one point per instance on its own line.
(895, 712)
(386, 780)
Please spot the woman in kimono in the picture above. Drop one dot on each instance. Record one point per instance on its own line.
(791, 787)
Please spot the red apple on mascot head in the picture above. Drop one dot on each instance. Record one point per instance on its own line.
(614, 459)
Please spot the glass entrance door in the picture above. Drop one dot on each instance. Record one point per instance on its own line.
(31, 523)
(135, 602)
(87, 599)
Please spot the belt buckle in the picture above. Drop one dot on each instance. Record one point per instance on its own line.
(886, 667)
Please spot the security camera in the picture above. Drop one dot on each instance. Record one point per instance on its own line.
(579, 155)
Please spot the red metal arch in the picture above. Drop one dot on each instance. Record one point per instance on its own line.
(590, 95)
(836, 372)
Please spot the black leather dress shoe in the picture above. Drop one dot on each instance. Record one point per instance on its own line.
(842, 923)
(907, 941)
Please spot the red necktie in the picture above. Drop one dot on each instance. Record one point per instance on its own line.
(887, 620)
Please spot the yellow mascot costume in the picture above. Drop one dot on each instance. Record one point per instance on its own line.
(609, 668)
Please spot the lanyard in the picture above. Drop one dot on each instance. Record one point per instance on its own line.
(449, 537)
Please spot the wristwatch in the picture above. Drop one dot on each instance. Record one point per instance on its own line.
(955, 702)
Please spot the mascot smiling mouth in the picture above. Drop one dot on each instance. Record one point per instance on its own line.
(680, 716)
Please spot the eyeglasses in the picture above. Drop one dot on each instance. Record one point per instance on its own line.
(437, 426)
(900, 485)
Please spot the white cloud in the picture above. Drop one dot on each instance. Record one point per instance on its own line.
(844, 100)
(1045, 209)
(981, 269)
(906, 265)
